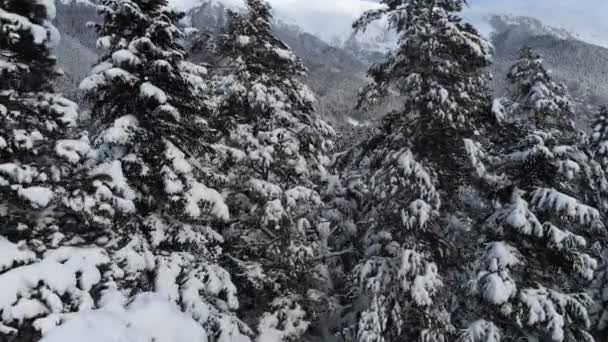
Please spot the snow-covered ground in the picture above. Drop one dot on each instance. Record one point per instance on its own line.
(148, 318)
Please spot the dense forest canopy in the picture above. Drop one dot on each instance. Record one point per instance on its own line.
(217, 176)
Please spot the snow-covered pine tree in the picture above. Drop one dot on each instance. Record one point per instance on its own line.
(266, 117)
(598, 144)
(598, 140)
(539, 256)
(54, 215)
(595, 146)
(149, 105)
(417, 169)
(599, 292)
(537, 99)
(542, 100)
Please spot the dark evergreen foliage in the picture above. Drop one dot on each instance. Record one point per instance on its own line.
(277, 161)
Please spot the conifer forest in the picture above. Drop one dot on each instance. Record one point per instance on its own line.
(214, 173)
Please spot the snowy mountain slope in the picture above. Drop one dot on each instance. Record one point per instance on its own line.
(211, 16)
(315, 51)
(528, 26)
(370, 45)
(337, 70)
(335, 74)
(582, 66)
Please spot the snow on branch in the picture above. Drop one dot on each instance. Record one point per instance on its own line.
(546, 199)
(477, 156)
(58, 283)
(516, 215)
(12, 254)
(287, 321)
(480, 331)
(552, 311)
(494, 282)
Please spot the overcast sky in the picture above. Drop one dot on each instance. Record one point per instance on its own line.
(586, 18)
(329, 18)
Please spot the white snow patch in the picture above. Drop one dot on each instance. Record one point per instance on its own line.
(73, 150)
(122, 57)
(92, 82)
(122, 130)
(545, 199)
(243, 40)
(104, 42)
(200, 193)
(22, 174)
(25, 140)
(285, 54)
(264, 189)
(481, 331)
(286, 323)
(38, 196)
(150, 91)
(11, 254)
(148, 318)
(113, 74)
(82, 261)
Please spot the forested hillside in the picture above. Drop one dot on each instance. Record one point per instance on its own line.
(583, 67)
(335, 74)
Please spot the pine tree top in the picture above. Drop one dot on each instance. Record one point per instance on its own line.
(258, 56)
(26, 33)
(258, 85)
(143, 72)
(528, 70)
(125, 20)
(599, 136)
(537, 93)
(438, 66)
(152, 110)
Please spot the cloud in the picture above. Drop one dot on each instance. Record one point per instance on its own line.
(324, 18)
(334, 7)
(352, 8)
(585, 18)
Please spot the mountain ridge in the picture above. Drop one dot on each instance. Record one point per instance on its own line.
(336, 73)
(582, 66)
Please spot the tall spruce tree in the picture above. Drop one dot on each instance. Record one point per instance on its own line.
(148, 102)
(598, 149)
(54, 215)
(595, 147)
(539, 256)
(266, 117)
(599, 137)
(542, 100)
(414, 214)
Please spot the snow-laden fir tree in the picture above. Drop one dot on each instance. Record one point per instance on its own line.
(598, 149)
(595, 146)
(147, 101)
(542, 100)
(278, 147)
(598, 140)
(54, 215)
(539, 257)
(416, 171)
